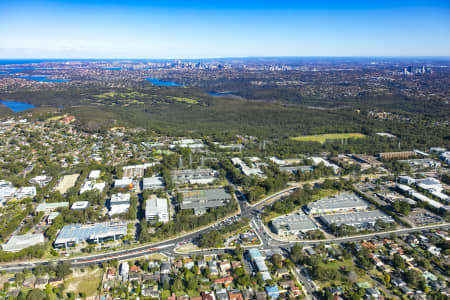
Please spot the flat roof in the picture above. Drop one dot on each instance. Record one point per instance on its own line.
(156, 205)
(51, 206)
(205, 198)
(80, 205)
(294, 222)
(356, 218)
(82, 232)
(340, 201)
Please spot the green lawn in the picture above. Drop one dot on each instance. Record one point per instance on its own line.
(321, 138)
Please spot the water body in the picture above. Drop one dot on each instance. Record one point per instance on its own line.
(17, 106)
(156, 81)
(220, 94)
(42, 79)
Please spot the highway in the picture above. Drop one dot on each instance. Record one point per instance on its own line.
(169, 246)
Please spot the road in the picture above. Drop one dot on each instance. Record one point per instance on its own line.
(168, 246)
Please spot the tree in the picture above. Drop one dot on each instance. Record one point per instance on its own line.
(398, 261)
(387, 279)
(64, 269)
(277, 260)
(239, 251)
(177, 285)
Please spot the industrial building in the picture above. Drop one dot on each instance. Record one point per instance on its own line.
(156, 210)
(194, 176)
(153, 183)
(361, 219)
(201, 200)
(19, 242)
(293, 224)
(70, 235)
(339, 203)
(119, 204)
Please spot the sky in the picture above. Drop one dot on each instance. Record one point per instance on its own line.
(227, 28)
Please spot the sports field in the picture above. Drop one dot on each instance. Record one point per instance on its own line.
(321, 138)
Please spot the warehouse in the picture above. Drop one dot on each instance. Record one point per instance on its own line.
(201, 200)
(156, 210)
(19, 242)
(361, 219)
(153, 183)
(339, 203)
(293, 224)
(194, 176)
(70, 235)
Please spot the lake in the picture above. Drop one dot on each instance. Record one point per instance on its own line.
(220, 94)
(17, 106)
(156, 81)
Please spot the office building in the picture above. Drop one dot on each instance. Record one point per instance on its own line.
(119, 204)
(70, 235)
(156, 210)
(80, 205)
(123, 183)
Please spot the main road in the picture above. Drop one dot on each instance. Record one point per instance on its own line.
(168, 246)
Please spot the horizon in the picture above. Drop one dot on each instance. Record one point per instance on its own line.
(227, 58)
(194, 29)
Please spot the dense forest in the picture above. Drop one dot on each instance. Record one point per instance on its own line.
(177, 111)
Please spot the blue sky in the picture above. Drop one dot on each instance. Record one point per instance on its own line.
(202, 29)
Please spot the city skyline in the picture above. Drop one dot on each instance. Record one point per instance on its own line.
(196, 29)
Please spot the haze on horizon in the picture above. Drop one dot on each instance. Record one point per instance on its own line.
(204, 29)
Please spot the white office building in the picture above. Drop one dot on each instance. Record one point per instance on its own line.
(156, 210)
